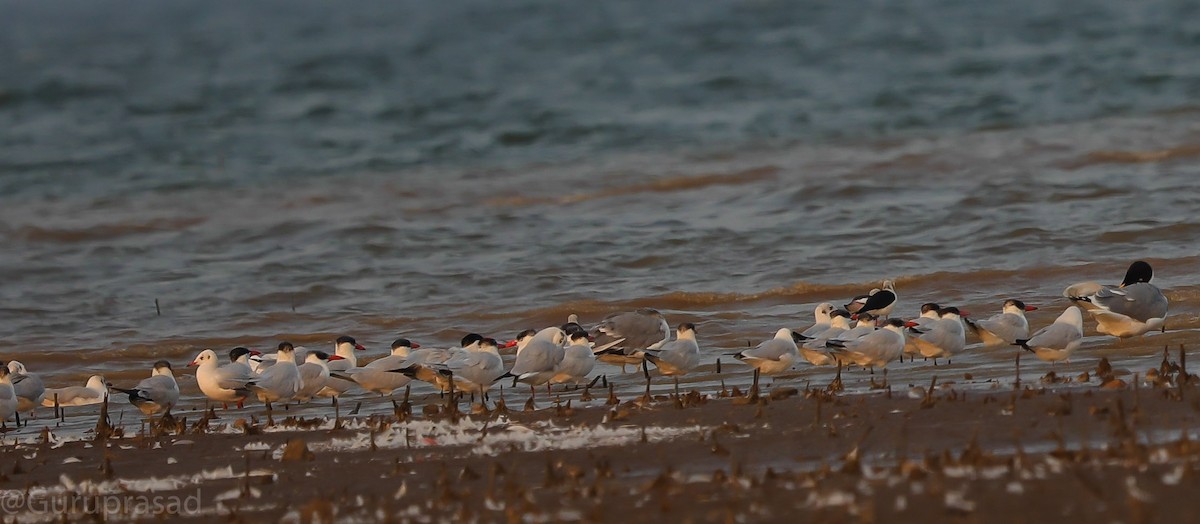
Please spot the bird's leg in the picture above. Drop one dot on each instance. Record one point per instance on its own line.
(676, 387)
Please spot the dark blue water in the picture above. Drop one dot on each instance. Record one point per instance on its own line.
(115, 96)
(306, 169)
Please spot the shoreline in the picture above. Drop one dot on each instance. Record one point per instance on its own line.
(1082, 451)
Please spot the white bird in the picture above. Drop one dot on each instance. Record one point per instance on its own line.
(857, 302)
(8, 398)
(1056, 341)
(281, 381)
(941, 338)
(346, 348)
(772, 356)
(880, 303)
(813, 350)
(94, 392)
(155, 394)
(427, 364)
(1005, 327)
(822, 319)
(1128, 310)
(875, 350)
(29, 387)
(477, 367)
(539, 357)
(314, 373)
(622, 337)
(377, 376)
(578, 361)
(677, 357)
(224, 383)
(929, 316)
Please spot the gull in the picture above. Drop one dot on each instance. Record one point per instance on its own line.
(929, 316)
(571, 327)
(94, 392)
(874, 350)
(1056, 341)
(426, 364)
(821, 320)
(226, 383)
(155, 394)
(346, 348)
(622, 337)
(578, 360)
(857, 302)
(377, 376)
(772, 356)
(677, 357)
(1005, 327)
(813, 350)
(880, 303)
(8, 399)
(476, 367)
(941, 338)
(314, 373)
(29, 387)
(537, 360)
(281, 381)
(1128, 310)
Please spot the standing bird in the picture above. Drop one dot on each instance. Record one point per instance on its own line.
(822, 318)
(314, 373)
(773, 356)
(94, 392)
(857, 302)
(677, 357)
(578, 360)
(346, 348)
(1128, 310)
(281, 381)
(929, 316)
(155, 394)
(622, 337)
(876, 349)
(1005, 327)
(879, 304)
(941, 338)
(427, 364)
(226, 383)
(475, 368)
(29, 387)
(377, 376)
(8, 399)
(536, 361)
(813, 350)
(1056, 341)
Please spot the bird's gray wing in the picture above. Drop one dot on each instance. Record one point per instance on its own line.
(1142, 301)
(1054, 336)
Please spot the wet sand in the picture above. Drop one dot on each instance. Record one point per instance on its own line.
(1108, 446)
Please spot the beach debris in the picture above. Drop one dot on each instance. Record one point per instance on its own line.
(297, 450)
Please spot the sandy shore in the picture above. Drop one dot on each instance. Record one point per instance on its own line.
(1093, 448)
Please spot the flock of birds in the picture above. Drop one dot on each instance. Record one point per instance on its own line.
(567, 354)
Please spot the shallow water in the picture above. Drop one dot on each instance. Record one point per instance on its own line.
(386, 170)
